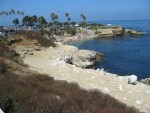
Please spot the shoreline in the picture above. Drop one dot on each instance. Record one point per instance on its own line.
(47, 61)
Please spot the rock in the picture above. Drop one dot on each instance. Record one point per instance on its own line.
(107, 33)
(132, 79)
(37, 48)
(118, 31)
(133, 32)
(68, 59)
(145, 81)
(1, 111)
(30, 53)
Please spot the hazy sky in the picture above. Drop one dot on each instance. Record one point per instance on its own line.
(94, 10)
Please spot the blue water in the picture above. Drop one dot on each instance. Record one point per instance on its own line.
(123, 55)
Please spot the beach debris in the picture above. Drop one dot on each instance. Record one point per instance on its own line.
(132, 79)
(1, 111)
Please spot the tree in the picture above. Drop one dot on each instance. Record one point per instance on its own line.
(19, 14)
(16, 21)
(22, 14)
(34, 19)
(68, 18)
(84, 20)
(83, 17)
(11, 18)
(54, 18)
(26, 20)
(1, 14)
(42, 21)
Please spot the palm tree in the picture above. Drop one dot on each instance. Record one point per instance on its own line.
(22, 14)
(7, 14)
(54, 18)
(19, 14)
(83, 17)
(84, 20)
(11, 18)
(68, 18)
(1, 14)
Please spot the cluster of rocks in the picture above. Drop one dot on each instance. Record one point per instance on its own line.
(145, 81)
(114, 31)
(82, 58)
(27, 50)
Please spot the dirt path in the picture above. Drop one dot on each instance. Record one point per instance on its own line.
(47, 61)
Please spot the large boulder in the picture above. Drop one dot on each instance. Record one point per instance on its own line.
(132, 79)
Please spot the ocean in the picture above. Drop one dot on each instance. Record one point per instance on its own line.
(123, 55)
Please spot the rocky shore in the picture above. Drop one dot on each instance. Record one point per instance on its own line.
(65, 62)
(102, 32)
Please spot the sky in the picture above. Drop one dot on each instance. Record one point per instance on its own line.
(94, 10)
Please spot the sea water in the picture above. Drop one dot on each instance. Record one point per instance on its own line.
(123, 55)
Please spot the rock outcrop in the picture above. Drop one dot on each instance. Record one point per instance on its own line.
(133, 32)
(79, 58)
(67, 54)
(114, 31)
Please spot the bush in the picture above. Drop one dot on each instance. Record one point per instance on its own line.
(71, 31)
(40, 93)
(7, 53)
(44, 42)
(2, 67)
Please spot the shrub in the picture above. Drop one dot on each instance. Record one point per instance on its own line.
(41, 39)
(71, 31)
(7, 53)
(40, 93)
(2, 67)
